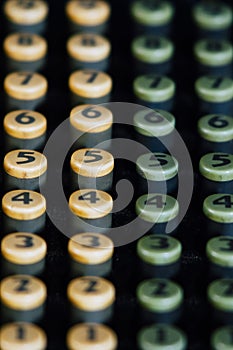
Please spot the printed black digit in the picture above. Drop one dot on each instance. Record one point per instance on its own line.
(224, 200)
(27, 77)
(160, 242)
(158, 160)
(154, 117)
(89, 196)
(229, 244)
(93, 153)
(23, 285)
(156, 200)
(28, 155)
(94, 241)
(27, 241)
(91, 112)
(229, 290)
(92, 284)
(160, 289)
(22, 197)
(23, 118)
(93, 76)
(20, 333)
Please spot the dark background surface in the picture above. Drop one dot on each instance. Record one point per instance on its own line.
(193, 276)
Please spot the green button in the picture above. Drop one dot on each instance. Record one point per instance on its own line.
(222, 338)
(219, 250)
(152, 13)
(217, 166)
(154, 88)
(216, 128)
(212, 16)
(161, 337)
(220, 294)
(214, 89)
(219, 208)
(152, 49)
(213, 52)
(157, 166)
(159, 249)
(157, 207)
(159, 295)
(155, 123)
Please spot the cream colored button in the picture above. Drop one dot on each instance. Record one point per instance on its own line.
(88, 13)
(25, 164)
(91, 293)
(26, 12)
(25, 47)
(25, 85)
(90, 204)
(25, 124)
(90, 248)
(92, 162)
(22, 336)
(23, 292)
(23, 248)
(91, 336)
(91, 118)
(88, 47)
(23, 205)
(90, 83)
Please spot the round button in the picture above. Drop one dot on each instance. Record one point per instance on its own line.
(90, 84)
(25, 124)
(154, 88)
(213, 52)
(88, 47)
(91, 293)
(222, 338)
(219, 207)
(23, 205)
(88, 13)
(216, 128)
(22, 336)
(154, 124)
(152, 13)
(23, 248)
(90, 248)
(212, 16)
(214, 89)
(217, 166)
(157, 208)
(219, 251)
(91, 336)
(25, 85)
(157, 166)
(152, 49)
(159, 249)
(161, 337)
(159, 295)
(90, 204)
(25, 47)
(23, 292)
(25, 164)
(26, 12)
(91, 119)
(92, 162)
(220, 294)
